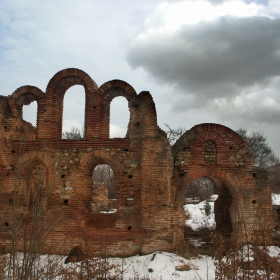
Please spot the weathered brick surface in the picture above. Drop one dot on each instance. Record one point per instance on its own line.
(43, 176)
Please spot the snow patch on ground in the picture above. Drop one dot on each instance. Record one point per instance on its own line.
(275, 199)
(197, 218)
(162, 265)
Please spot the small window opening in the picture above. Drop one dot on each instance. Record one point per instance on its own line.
(65, 201)
(29, 113)
(6, 224)
(230, 148)
(94, 107)
(73, 113)
(254, 175)
(126, 150)
(104, 174)
(137, 124)
(63, 176)
(13, 151)
(129, 227)
(254, 201)
(5, 127)
(119, 117)
(130, 176)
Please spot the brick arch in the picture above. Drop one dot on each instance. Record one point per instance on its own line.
(108, 91)
(228, 205)
(211, 136)
(81, 76)
(55, 91)
(81, 180)
(26, 165)
(214, 131)
(198, 134)
(27, 158)
(24, 96)
(90, 160)
(227, 141)
(209, 172)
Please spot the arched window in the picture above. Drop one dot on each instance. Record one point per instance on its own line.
(34, 181)
(29, 113)
(74, 112)
(210, 152)
(119, 117)
(103, 174)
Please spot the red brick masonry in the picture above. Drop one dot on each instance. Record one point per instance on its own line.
(46, 182)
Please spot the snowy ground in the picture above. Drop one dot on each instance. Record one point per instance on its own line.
(196, 216)
(275, 199)
(197, 219)
(159, 265)
(156, 266)
(162, 265)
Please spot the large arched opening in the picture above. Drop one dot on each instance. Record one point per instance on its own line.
(73, 119)
(209, 208)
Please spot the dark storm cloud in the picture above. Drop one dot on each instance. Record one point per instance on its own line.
(212, 59)
(255, 115)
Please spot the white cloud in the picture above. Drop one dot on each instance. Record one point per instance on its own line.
(220, 57)
(202, 61)
(116, 131)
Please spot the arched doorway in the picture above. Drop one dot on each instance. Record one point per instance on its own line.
(208, 208)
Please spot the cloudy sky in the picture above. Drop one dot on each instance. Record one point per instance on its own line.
(203, 61)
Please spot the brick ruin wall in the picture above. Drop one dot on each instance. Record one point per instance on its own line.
(47, 187)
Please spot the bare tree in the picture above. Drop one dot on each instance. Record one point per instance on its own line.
(274, 178)
(74, 133)
(201, 188)
(259, 148)
(173, 134)
(103, 173)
